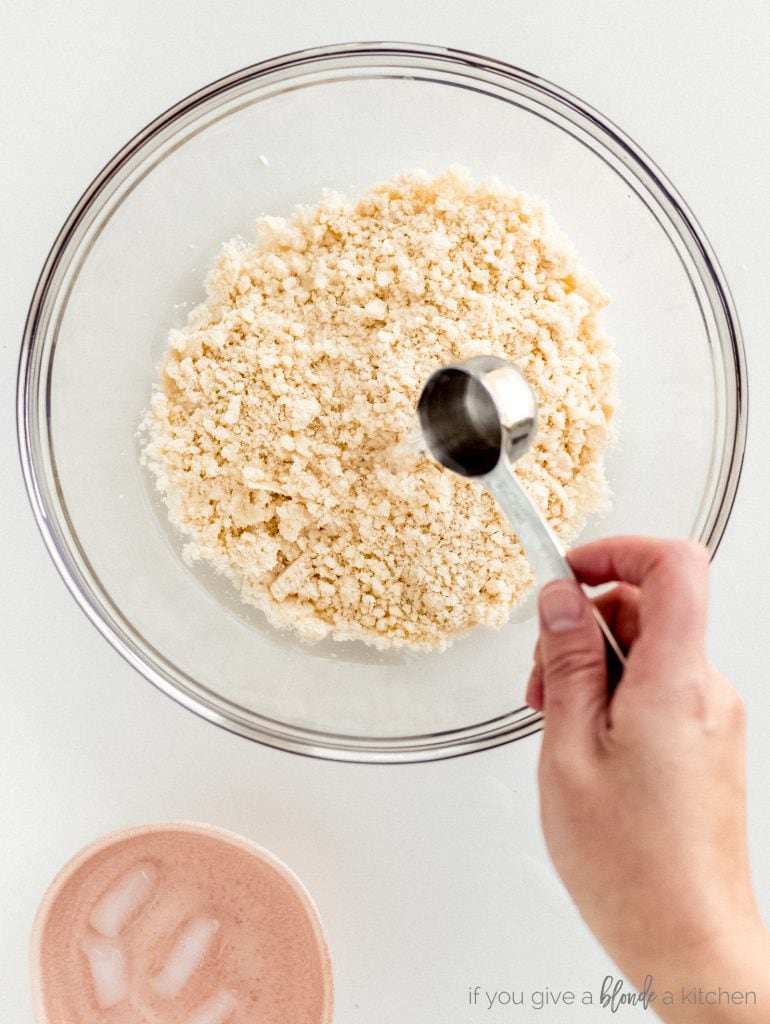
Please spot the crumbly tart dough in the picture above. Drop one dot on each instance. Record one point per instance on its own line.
(279, 434)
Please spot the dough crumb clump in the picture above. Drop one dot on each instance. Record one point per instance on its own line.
(282, 433)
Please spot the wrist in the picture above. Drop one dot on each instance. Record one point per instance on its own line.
(720, 980)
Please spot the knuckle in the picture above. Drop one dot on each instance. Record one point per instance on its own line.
(684, 554)
(734, 710)
(623, 591)
(693, 696)
(570, 661)
(703, 709)
(711, 701)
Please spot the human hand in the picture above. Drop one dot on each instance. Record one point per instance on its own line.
(642, 794)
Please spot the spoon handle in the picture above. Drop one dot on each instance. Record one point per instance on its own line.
(543, 549)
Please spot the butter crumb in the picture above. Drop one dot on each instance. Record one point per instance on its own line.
(281, 434)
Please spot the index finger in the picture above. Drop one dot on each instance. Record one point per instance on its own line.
(672, 577)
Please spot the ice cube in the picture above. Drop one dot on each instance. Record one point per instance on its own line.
(109, 972)
(216, 1010)
(186, 956)
(120, 903)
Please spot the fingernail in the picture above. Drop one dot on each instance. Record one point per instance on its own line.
(562, 606)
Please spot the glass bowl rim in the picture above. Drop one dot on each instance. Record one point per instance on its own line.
(153, 666)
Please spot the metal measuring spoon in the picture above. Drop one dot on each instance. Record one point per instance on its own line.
(477, 418)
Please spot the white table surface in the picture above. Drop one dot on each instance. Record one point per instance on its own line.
(429, 878)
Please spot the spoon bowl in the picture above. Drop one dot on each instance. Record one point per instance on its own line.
(473, 412)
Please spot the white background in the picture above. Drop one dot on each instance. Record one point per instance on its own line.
(429, 878)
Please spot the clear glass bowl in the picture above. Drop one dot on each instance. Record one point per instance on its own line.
(130, 261)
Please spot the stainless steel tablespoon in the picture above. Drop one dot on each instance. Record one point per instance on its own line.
(477, 418)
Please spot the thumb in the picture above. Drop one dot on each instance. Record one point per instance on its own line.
(573, 663)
